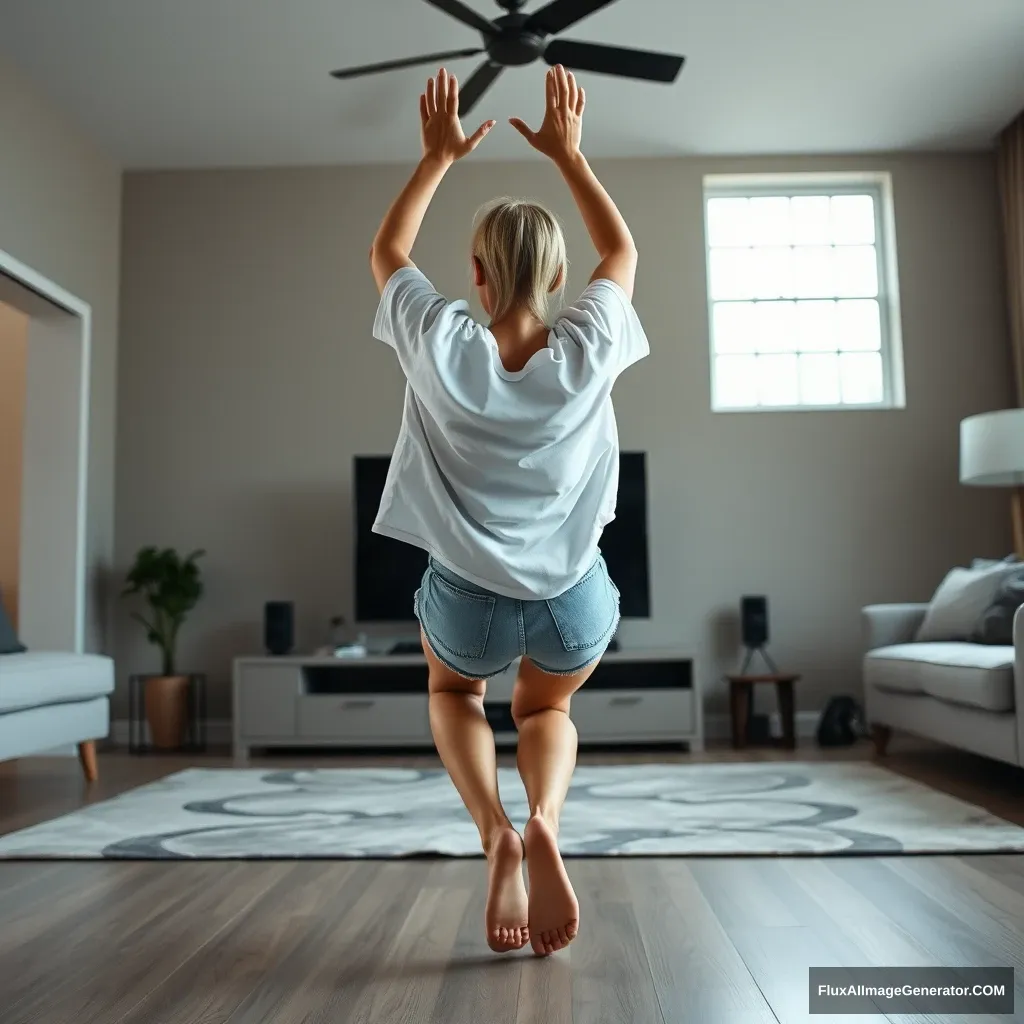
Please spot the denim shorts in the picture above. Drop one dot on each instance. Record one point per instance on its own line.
(477, 633)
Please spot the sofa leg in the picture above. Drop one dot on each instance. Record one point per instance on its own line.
(881, 734)
(87, 755)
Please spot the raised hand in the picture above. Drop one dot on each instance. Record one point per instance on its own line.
(440, 128)
(559, 134)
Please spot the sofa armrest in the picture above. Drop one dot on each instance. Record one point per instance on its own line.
(1018, 679)
(886, 624)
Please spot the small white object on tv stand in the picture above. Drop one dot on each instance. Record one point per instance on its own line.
(634, 697)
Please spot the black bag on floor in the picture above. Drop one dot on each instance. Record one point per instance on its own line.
(841, 723)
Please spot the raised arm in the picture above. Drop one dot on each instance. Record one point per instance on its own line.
(443, 143)
(559, 138)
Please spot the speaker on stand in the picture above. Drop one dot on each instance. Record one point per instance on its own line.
(279, 627)
(754, 630)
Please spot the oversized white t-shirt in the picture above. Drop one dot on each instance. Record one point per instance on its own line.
(506, 478)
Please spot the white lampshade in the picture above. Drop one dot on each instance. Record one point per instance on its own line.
(992, 449)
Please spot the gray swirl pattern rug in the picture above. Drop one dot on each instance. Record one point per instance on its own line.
(612, 810)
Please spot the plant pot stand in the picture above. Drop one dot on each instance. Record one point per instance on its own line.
(194, 735)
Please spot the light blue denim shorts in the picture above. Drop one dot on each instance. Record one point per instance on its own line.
(478, 634)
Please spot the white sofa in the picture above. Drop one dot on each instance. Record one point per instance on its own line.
(967, 695)
(50, 700)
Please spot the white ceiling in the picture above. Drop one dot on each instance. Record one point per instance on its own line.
(194, 83)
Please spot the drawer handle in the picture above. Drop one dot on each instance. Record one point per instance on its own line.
(625, 702)
(357, 705)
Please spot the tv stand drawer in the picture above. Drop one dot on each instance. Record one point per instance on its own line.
(632, 714)
(363, 717)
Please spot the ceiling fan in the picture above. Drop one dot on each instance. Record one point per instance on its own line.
(518, 38)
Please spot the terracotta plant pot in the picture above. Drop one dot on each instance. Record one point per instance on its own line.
(167, 710)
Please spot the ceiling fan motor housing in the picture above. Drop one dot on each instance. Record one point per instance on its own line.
(513, 44)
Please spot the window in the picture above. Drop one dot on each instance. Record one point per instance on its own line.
(802, 293)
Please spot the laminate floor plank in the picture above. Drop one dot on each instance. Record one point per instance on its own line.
(612, 980)
(697, 972)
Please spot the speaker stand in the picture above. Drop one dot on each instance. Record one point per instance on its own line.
(751, 651)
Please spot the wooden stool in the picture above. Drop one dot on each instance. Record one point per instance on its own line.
(741, 692)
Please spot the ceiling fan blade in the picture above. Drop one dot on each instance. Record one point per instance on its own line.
(477, 84)
(614, 60)
(457, 9)
(560, 14)
(408, 62)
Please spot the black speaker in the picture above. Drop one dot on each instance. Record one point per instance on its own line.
(754, 621)
(279, 627)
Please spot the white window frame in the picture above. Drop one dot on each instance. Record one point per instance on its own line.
(879, 186)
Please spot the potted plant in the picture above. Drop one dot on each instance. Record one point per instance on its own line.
(171, 587)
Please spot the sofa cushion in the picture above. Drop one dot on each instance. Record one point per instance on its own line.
(974, 674)
(37, 678)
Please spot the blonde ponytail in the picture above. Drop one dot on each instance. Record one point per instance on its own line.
(522, 251)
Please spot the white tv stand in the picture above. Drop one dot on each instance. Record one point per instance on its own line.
(381, 701)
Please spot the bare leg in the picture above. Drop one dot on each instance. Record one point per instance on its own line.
(87, 755)
(546, 758)
(881, 734)
(465, 743)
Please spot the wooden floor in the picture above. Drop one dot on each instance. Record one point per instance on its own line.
(722, 941)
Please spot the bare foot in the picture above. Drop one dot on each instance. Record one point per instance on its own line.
(505, 918)
(554, 912)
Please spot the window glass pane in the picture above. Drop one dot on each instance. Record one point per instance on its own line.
(856, 270)
(819, 380)
(736, 382)
(771, 270)
(853, 220)
(860, 374)
(809, 220)
(858, 325)
(731, 274)
(813, 272)
(815, 326)
(734, 327)
(778, 380)
(728, 222)
(774, 326)
(769, 220)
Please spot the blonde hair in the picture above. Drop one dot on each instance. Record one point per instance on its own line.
(522, 250)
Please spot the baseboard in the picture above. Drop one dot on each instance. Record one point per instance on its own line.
(218, 732)
(716, 727)
(719, 727)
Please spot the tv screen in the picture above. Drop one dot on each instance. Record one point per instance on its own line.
(389, 571)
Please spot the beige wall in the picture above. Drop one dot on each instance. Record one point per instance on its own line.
(248, 380)
(13, 349)
(60, 206)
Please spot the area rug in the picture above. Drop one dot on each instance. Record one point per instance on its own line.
(612, 811)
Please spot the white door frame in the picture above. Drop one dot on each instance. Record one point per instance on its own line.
(58, 296)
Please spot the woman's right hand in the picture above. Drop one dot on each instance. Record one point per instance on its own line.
(559, 134)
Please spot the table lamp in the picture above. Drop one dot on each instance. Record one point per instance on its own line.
(992, 455)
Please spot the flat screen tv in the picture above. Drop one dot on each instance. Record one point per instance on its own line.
(389, 571)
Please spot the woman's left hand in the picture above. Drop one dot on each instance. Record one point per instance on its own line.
(440, 128)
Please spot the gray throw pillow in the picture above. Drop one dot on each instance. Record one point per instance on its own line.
(996, 625)
(962, 599)
(8, 638)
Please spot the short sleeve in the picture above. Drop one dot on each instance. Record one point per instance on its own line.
(603, 322)
(410, 314)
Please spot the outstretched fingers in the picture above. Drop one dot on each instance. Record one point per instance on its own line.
(452, 105)
(572, 92)
(581, 101)
(431, 98)
(522, 127)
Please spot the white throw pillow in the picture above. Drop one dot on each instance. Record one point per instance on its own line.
(961, 600)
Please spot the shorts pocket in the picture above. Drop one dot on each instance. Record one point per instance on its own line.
(586, 613)
(456, 620)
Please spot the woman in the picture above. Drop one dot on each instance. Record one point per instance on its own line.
(505, 471)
